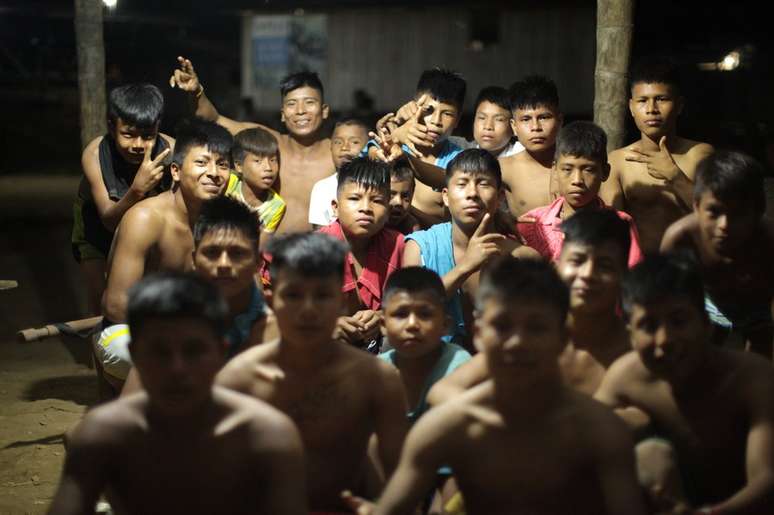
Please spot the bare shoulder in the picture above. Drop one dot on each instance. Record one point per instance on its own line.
(110, 424)
(627, 371)
(92, 148)
(255, 415)
(695, 149)
(606, 431)
(753, 376)
(680, 233)
(255, 364)
(148, 214)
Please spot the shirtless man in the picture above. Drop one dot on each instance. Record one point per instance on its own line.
(149, 451)
(592, 265)
(305, 154)
(536, 122)
(652, 179)
(155, 234)
(337, 395)
(522, 441)
(712, 408)
(734, 245)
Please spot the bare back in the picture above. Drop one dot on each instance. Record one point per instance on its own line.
(527, 183)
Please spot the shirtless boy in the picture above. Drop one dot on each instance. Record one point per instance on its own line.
(337, 395)
(492, 129)
(652, 179)
(522, 441)
(458, 250)
(182, 445)
(536, 122)
(713, 405)
(120, 169)
(156, 233)
(734, 245)
(592, 265)
(305, 151)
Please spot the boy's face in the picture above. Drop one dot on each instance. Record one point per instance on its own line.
(229, 259)
(303, 111)
(259, 172)
(593, 273)
(725, 226)
(306, 307)
(441, 118)
(414, 323)
(177, 359)
(579, 178)
(362, 212)
(669, 335)
(536, 127)
(655, 108)
(203, 174)
(469, 197)
(346, 143)
(492, 126)
(521, 339)
(132, 141)
(401, 194)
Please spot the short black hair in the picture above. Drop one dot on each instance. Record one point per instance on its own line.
(310, 254)
(656, 70)
(192, 132)
(400, 170)
(658, 277)
(598, 226)
(731, 175)
(175, 295)
(367, 173)
(414, 280)
(351, 120)
(534, 91)
(256, 141)
(299, 80)
(494, 94)
(227, 214)
(475, 161)
(582, 139)
(140, 105)
(444, 86)
(510, 279)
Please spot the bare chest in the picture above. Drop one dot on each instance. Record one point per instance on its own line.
(298, 174)
(175, 248)
(580, 370)
(528, 187)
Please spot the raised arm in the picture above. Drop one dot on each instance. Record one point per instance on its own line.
(390, 410)
(138, 232)
(611, 392)
(468, 374)
(185, 78)
(482, 246)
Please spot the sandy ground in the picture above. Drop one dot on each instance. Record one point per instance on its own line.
(45, 386)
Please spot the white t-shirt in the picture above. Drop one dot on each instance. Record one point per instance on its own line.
(323, 192)
(511, 149)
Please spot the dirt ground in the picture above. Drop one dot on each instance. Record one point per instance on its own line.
(45, 386)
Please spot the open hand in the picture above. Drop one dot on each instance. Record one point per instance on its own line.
(413, 133)
(185, 77)
(660, 164)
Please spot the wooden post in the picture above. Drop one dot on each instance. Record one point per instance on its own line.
(91, 68)
(614, 43)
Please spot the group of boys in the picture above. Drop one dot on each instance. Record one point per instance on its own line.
(535, 352)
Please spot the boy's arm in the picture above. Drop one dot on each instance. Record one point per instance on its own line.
(391, 424)
(430, 175)
(678, 234)
(611, 393)
(468, 374)
(138, 233)
(186, 79)
(84, 473)
(611, 191)
(148, 176)
(482, 246)
(283, 470)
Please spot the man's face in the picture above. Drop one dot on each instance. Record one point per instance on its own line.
(306, 307)
(303, 111)
(401, 194)
(470, 196)
(537, 127)
(132, 141)
(414, 323)
(655, 108)
(362, 212)
(725, 226)
(669, 336)
(579, 178)
(521, 339)
(259, 172)
(492, 126)
(441, 119)
(177, 360)
(227, 258)
(346, 143)
(203, 174)
(593, 273)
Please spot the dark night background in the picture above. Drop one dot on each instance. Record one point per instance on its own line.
(38, 72)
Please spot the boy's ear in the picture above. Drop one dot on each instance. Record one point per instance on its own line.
(382, 327)
(477, 332)
(605, 172)
(680, 104)
(513, 123)
(238, 167)
(445, 196)
(335, 208)
(174, 171)
(326, 110)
